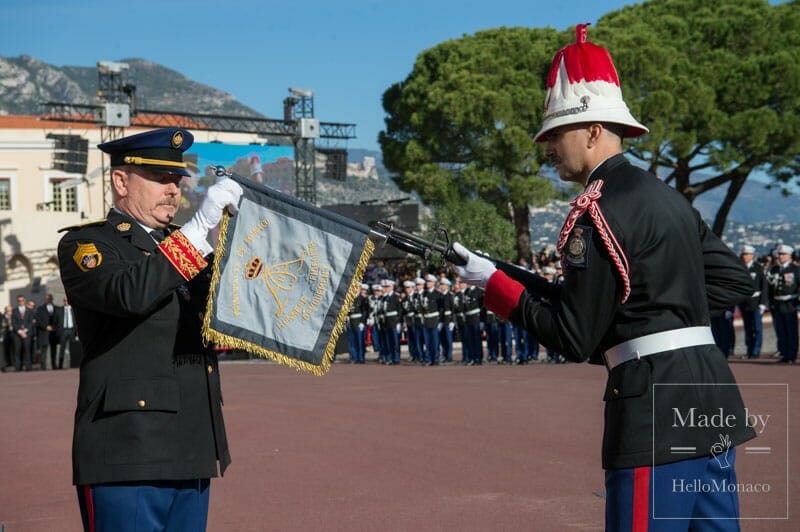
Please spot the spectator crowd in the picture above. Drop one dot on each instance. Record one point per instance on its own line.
(37, 337)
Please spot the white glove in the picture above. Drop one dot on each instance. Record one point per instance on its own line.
(477, 270)
(398, 327)
(451, 325)
(360, 326)
(226, 193)
(370, 322)
(762, 308)
(439, 326)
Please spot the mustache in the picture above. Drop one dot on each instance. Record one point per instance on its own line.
(169, 201)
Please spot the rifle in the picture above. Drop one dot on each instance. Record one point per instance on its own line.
(387, 233)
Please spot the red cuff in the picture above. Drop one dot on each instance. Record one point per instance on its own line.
(502, 294)
(183, 255)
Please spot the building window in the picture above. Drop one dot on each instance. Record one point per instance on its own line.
(5, 194)
(64, 199)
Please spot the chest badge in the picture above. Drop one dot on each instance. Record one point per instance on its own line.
(87, 257)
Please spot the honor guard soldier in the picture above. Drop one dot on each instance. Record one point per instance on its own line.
(149, 432)
(392, 323)
(641, 271)
(753, 309)
(372, 320)
(409, 314)
(458, 312)
(783, 279)
(473, 301)
(430, 308)
(357, 325)
(447, 320)
(419, 289)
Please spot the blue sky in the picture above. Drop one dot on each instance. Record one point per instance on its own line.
(347, 51)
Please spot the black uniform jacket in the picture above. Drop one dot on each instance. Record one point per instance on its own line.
(760, 289)
(784, 287)
(678, 270)
(149, 399)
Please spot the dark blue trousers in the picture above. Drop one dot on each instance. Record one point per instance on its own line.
(687, 495)
(785, 324)
(753, 332)
(169, 505)
(431, 344)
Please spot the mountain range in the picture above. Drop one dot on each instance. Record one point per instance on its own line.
(26, 82)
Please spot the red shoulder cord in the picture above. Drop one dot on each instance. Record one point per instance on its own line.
(588, 201)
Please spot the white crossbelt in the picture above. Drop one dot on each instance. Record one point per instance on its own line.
(657, 343)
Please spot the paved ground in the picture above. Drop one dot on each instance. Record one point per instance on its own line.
(391, 448)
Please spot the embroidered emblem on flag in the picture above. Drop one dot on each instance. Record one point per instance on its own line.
(284, 277)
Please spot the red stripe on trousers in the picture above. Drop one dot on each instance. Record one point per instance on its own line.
(641, 499)
(87, 494)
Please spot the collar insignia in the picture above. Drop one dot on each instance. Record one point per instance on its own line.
(124, 226)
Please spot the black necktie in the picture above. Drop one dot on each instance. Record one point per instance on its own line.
(158, 234)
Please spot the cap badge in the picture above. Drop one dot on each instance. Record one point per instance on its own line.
(87, 257)
(177, 139)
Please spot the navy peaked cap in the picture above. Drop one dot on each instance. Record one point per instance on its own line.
(160, 150)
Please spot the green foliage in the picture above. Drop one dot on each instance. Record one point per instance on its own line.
(716, 82)
(477, 225)
(460, 125)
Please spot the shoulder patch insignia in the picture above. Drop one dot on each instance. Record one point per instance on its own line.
(578, 245)
(87, 257)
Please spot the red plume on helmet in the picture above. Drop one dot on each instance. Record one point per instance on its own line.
(583, 86)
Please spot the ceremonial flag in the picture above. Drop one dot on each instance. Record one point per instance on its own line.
(284, 277)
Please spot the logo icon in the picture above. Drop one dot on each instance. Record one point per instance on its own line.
(720, 451)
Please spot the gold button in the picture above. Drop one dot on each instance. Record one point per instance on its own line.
(210, 369)
(616, 391)
(141, 403)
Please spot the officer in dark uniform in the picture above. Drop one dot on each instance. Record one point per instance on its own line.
(641, 271)
(149, 431)
(409, 314)
(374, 318)
(784, 286)
(430, 307)
(419, 289)
(446, 320)
(753, 308)
(473, 301)
(392, 323)
(356, 325)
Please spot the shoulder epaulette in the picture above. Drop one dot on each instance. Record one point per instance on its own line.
(81, 225)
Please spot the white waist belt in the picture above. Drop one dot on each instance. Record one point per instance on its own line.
(657, 343)
(355, 315)
(432, 315)
(472, 312)
(392, 313)
(785, 298)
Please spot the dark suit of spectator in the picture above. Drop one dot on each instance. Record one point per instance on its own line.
(47, 337)
(22, 325)
(66, 331)
(6, 339)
